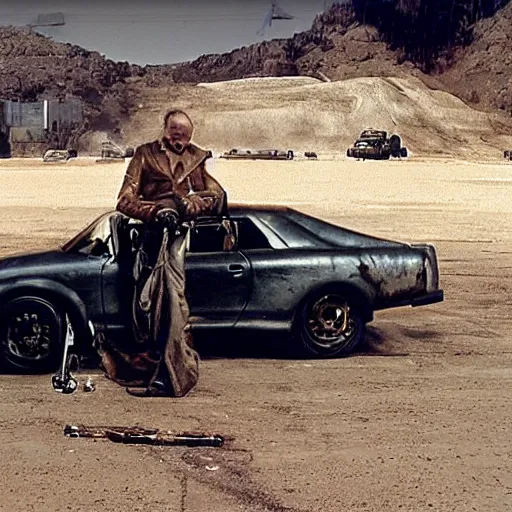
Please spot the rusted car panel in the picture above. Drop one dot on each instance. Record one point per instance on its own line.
(287, 271)
(379, 273)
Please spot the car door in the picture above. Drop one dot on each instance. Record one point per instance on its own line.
(218, 281)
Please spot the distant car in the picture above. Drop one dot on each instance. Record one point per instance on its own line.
(59, 155)
(376, 145)
(288, 272)
(112, 152)
(258, 154)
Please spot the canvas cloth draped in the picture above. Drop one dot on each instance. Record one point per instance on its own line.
(160, 323)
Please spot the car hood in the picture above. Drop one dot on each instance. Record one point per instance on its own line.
(36, 263)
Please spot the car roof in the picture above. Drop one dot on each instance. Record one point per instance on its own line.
(300, 230)
(256, 208)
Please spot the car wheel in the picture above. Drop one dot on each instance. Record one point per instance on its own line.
(384, 154)
(32, 334)
(403, 152)
(329, 326)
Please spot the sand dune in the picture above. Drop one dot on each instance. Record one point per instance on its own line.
(305, 114)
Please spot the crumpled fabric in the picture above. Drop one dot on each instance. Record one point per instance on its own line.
(160, 324)
(163, 317)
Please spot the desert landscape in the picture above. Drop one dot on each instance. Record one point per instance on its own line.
(306, 114)
(418, 420)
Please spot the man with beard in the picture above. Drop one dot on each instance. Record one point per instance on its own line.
(166, 184)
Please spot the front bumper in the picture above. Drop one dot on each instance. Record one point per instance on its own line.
(428, 298)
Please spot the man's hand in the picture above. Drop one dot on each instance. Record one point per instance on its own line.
(168, 218)
(195, 205)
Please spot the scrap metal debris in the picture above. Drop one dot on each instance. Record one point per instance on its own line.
(64, 381)
(141, 435)
(89, 385)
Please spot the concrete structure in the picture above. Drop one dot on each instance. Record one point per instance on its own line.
(37, 124)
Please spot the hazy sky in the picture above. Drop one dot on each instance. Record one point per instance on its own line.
(158, 31)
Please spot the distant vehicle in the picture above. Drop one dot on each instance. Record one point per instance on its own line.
(376, 145)
(508, 155)
(258, 154)
(110, 151)
(287, 271)
(59, 155)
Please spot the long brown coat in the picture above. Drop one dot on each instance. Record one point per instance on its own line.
(156, 174)
(161, 313)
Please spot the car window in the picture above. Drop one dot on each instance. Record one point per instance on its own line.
(207, 238)
(95, 240)
(250, 236)
(212, 237)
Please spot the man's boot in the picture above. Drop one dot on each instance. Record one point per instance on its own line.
(160, 385)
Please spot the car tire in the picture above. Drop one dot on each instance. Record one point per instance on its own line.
(329, 325)
(395, 143)
(403, 152)
(32, 335)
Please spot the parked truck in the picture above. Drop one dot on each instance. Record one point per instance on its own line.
(376, 145)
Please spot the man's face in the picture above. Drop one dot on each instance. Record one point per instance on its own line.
(178, 132)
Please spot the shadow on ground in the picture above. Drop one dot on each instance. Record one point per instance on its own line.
(392, 340)
(376, 342)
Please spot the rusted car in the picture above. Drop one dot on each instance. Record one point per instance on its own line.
(376, 145)
(287, 272)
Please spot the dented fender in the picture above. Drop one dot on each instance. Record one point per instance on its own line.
(395, 275)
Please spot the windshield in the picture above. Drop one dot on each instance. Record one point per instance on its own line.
(91, 238)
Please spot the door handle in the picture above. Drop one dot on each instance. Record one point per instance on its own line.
(236, 268)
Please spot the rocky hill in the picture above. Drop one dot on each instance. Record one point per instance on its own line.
(482, 72)
(475, 63)
(336, 45)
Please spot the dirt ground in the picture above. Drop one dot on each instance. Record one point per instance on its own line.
(419, 421)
